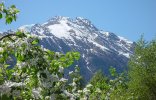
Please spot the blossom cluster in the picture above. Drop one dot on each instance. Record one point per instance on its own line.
(38, 72)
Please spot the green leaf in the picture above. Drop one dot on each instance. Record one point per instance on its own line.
(69, 63)
(62, 59)
(112, 71)
(6, 66)
(0, 70)
(5, 11)
(76, 55)
(9, 20)
(43, 75)
(14, 17)
(13, 6)
(24, 69)
(9, 73)
(5, 97)
(34, 42)
(17, 11)
(5, 55)
(18, 33)
(1, 15)
(16, 54)
(20, 57)
(2, 60)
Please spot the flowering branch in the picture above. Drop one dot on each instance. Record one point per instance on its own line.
(8, 35)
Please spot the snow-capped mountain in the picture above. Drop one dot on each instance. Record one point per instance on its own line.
(99, 49)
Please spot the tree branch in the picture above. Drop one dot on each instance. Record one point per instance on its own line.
(8, 35)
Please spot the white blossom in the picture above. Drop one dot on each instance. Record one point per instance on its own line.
(74, 79)
(21, 64)
(106, 98)
(6, 87)
(1, 49)
(57, 54)
(79, 91)
(108, 94)
(54, 77)
(68, 94)
(46, 84)
(76, 70)
(47, 98)
(70, 72)
(61, 69)
(2, 7)
(74, 89)
(111, 81)
(52, 97)
(34, 61)
(89, 85)
(10, 84)
(111, 89)
(86, 91)
(120, 81)
(63, 80)
(36, 93)
(73, 84)
(98, 90)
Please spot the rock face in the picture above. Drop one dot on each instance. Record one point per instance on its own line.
(99, 49)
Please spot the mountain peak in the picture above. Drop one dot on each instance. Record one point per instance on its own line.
(99, 49)
(58, 18)
(26, 28)
(84, 20)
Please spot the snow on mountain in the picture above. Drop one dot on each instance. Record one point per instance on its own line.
(60, 30)
(122, 38)
(99, 49)
(26, 27)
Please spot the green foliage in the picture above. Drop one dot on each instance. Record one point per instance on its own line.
(109, 88)
(100, 86)
(36, 67)
(39, 73)
(112, 71)
(10, 14)
(142, 70)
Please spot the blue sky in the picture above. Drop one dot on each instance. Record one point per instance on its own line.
(127, 18)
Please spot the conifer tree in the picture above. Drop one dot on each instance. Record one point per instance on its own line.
(142, 71)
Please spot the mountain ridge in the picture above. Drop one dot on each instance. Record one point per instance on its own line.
(99, 49)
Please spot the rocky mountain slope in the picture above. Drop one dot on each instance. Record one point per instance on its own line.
(99, 49)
